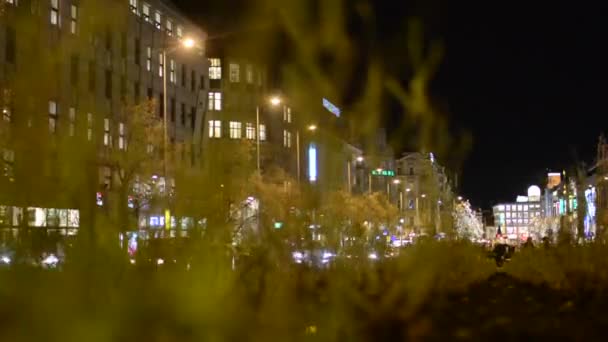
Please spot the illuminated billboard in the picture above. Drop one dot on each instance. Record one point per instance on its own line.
(331, 107)
(312, 163)
(553, 179)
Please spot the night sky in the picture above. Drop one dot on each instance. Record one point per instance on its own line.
(526, 80)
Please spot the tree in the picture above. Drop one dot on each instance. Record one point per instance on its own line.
(541, 227)
(135, 162)
(466, 223)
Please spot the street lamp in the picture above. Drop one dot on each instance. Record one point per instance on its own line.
(274, 101)
(360, 159)
(312, 128)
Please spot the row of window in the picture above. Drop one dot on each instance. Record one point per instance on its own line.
(146, 13)
(235, 130)
(215, 72)
(519, 207)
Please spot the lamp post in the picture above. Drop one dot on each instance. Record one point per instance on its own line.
(275, 101)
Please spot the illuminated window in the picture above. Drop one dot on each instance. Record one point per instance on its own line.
(169, 26)
(262, 132)
(172, 77)
(161, 64)
(249, 131)
(133, 7)
(11, 2)
(287, 114)
(107, 138)
(508, 215)
(53, 114)
(145, 10)
(73, 18)
(520, 207)
(148, 58)
(89, 126)
(249, 72)
(157, 19)
(215, 129)
(286, 138)
(122, 143)
(72, 119)
(180, 31)
(215, 100)
(215, 69)
(55, 18)
(235, 130)
(525, 207)
(234, 72)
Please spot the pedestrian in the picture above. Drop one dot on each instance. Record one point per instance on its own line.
(529, 243)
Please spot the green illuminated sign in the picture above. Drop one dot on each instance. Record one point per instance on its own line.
(386, 173)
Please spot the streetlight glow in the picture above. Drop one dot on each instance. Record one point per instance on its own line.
(312, 127)
(360, 159)
(275, 100)
(396, 181)
(188, 43)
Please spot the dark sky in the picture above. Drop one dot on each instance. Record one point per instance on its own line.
(526, 79)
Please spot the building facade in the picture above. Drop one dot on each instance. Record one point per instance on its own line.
(515, 218)
(69, 73)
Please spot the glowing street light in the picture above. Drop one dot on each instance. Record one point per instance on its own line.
(274, 101)
(360, 159)
(312, 128)
(188, 43)
(396, 181)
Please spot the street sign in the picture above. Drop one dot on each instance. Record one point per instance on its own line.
(385, 173)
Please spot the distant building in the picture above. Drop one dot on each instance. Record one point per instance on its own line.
(424, 192)
(514, 218)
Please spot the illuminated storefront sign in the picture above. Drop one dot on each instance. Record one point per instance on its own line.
(312, 163)
(331, 107)
(388, 173)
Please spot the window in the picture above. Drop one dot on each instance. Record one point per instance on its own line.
(411, 171)
(249, 131)
(287, 114)
(249, 72)
(55, 18)
(74, 63)
(215, 69)
(215, 100)
(136, 87)
(73, 18)
(180, 31)
(157, 19)
(215, 129)
(184, 74)
(122, 143)
(193, 80)
(148, 58)
(172, 77)
(107, 139)
(161, 64)
(235, 130)
(11, 45)
(145, 9)
(234, 72)
(202, 82)
(72, 123)
(133, 7)
(89, 126)
(92, 76)
(169, 26)
(262, 132)
(183, 117)
(411, 204)
(8, 158)
(192, 117)
(286, 138)
(53, 114)
(172, 108)
(108, 84)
